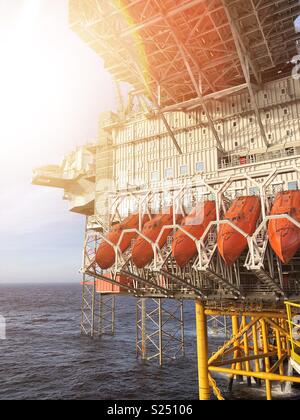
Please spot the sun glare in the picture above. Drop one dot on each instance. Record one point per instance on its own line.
(30, 11)
(28, 80)
(18, 75)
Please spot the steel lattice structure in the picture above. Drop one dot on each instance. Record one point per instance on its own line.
(172, 44)
(180, 51)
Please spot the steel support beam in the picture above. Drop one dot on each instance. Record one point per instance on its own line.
(160, 17)
(246, 64)
(262, 31)
(241, 48)
(141, 77)
(184, 55)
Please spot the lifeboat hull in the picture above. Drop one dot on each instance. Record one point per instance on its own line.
(106, 256)
(284, 236)
(244, 213)
(184, 248)
(142, 253)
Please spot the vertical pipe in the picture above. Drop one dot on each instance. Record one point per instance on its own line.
(202, 347)
(101, 320)
(160, 332)
(84, 279)
(267, 360)
(93, 309)
(288, 328)
(138, 319)
(113, 316)
(235, 331)
(182, 326)
(255, 346)
(144, 329)
(247, 352)
(83, 304)
(225, 326)
(284, 341)
(279, 351)
(94, 294)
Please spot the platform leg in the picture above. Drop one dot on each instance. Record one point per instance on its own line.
(267, 360)
(235, 331)
(202, 347)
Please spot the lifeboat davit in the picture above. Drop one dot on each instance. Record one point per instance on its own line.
(106, 256)
(184, 248)
(284, 236)
(142, 253)
(244, 213)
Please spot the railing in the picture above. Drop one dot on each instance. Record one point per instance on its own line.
(234, 160)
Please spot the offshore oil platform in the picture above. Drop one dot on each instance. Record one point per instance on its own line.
(191, 191)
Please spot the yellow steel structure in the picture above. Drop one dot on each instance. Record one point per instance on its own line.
(202, 346)
(260, 346)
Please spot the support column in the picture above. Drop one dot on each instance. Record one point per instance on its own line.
(160, 329)
(279, 352)
(88, 306)
(202, 347)
(267, 360)
(246, 349)
(256, 350)
(106, 314)
(235, 366)
(235, 331)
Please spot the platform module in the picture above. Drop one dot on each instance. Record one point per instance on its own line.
(76, 176)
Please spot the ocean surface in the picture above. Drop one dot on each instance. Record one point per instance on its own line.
(44, 356)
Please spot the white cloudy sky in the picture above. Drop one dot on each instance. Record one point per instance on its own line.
(52, 89)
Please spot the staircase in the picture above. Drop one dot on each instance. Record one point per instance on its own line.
(216, 278)
(267, 280)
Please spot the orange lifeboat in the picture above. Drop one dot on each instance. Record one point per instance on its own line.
(184, 248)
(244, 213)
(284, 236)
(142, 253)
(105, 256)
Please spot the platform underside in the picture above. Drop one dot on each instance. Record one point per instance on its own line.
(150, 44)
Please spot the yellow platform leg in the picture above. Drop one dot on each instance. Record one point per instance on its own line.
(202, 347)
(267, 360)
(237, 366)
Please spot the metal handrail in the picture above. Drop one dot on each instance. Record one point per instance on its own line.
(235, 160)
